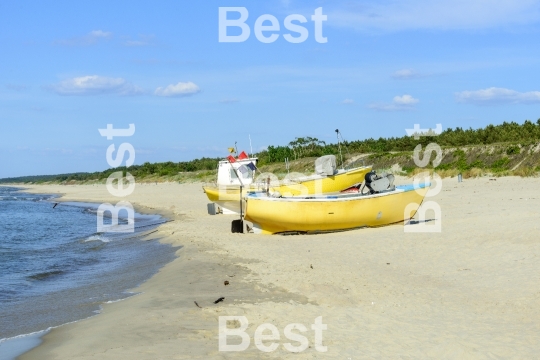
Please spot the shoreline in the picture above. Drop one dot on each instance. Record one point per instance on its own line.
(16, 345)
(381, 292)
(49, 340)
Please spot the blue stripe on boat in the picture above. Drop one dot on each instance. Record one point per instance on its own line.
(411, 187)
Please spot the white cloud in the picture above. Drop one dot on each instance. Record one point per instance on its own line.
(348, 102)
(95, 85)
(399, 103)
(389, 15)
(405, 100)
(135, 43)
(91, 38)
(405, 74)
(99, 34)
(58, 150)
(180, 89)
(495, 95)
(144, 40)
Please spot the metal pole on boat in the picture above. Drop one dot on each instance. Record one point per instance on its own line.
(339, 147)
(237, 226)
(241, 207)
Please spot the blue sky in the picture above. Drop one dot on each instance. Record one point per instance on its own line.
(69, 68)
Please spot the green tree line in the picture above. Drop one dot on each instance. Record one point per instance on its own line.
(512, 132)
(525, 133)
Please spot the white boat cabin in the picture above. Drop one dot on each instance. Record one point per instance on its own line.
(227, 176)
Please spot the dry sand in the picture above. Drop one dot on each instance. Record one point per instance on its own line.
(469, 292)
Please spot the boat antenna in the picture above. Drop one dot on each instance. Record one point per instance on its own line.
(345, 145)
(339, 147)
(251, 147)
(236, 148)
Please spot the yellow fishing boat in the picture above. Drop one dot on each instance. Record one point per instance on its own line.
(328, 179)
(320, 184)
(230, 175)
(321, 213)
(226, 197)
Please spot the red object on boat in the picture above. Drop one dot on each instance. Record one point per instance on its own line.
(242, 156)
(353, 189)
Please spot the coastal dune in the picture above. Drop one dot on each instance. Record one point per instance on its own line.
(471, 291)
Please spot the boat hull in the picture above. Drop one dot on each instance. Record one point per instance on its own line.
(326, 184)
(332, 213)
(228, 197)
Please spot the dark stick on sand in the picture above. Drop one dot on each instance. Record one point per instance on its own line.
(55, 205)
(219, 300)
(197, 305)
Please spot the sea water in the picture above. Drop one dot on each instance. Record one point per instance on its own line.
(55, 268)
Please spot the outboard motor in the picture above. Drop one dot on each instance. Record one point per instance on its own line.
(379, 183)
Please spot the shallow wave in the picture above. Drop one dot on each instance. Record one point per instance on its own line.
(98, 238)
(19, 198)
(40, 332)
(45, 275)
(59, 256)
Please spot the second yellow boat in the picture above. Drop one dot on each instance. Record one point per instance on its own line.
(328, 179)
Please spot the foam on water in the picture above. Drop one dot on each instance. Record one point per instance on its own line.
(13, 347)
(97, 238)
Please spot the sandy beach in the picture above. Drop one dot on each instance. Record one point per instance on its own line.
(471, 291)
